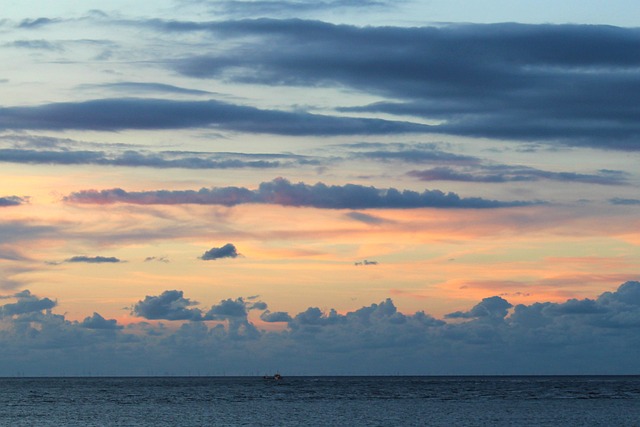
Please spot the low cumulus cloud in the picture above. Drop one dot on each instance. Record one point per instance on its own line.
(490, 308)
(588, 336)
(274, 317)
(170, 305)
(26, 303)
(226, 251)
(282, 192)
(11, 201)
(96, 321)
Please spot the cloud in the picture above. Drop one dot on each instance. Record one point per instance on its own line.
(27, 303)
(578, 336)
(226, 251)
(161, 160)
(228, 309)
(366, 218)
(36, 45)
(93, 259)
(38, 22)
(282, 192)
(454, 167)
(505, 173)
(274, 317)
(243, 8)
(157, 259)
(12, 201)
(622, 201)
(170, 305)
(145, 87)
(490, 308)
(98, 322)
(158, 114)
(542, 83)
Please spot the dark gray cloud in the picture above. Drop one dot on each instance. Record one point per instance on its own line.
(170, 305)
(489, 308)
(622, 201)
(417, 153)
(276, 316)
(226, 251)
(282, 192)
(567, 83)
(26, 303)
(161, 160)
(93, 259)
(98, 322)
(164, 159)
(228, 309)
(455, 167)
(145, 87)
(242, 8)
(505, 173)
(139, 113)
(38, 22)
(579, 336)
(11, 201)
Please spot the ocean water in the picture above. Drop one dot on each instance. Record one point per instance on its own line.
(321, 401)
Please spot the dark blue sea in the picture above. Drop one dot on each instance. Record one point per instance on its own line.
(321, 401)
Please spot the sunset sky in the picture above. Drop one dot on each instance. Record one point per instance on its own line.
(199, 187)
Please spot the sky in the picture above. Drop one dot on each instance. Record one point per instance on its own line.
(360, 187)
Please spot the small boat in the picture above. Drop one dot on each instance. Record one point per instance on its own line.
(276, 377)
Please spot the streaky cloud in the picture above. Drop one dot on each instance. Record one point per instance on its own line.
(93, 259)
(547, 83)
(158, 114)
(282, 192)
(146, 87)
(505, 173)
(159, 160)
(624, 201)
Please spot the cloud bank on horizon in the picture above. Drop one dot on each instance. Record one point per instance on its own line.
(576, 336)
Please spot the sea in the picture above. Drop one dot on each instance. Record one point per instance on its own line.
(322, 401)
